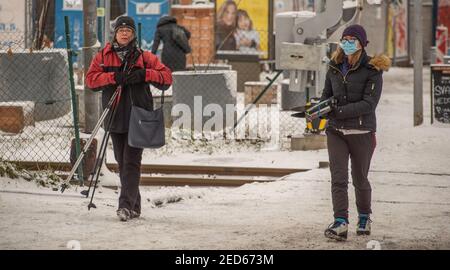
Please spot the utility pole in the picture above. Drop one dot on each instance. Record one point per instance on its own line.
(91, 99)
(28, 24)
(107, 21)
(418, 64)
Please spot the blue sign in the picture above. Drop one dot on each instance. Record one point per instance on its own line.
(147, 12)
(74, 10)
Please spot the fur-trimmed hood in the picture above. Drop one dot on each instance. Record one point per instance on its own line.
(380, 62)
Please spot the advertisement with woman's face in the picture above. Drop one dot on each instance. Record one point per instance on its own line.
(242, 27)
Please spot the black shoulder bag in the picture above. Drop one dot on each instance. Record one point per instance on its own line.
(147, 129)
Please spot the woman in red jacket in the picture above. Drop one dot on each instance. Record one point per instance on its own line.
(106, 73)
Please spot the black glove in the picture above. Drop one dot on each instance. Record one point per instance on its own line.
(137, 76)
(333, 108)
(333, 103)
(119, 77)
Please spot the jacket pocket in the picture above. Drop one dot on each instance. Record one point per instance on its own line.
(372, 89)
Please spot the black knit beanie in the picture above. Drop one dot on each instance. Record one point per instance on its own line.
(125, 21)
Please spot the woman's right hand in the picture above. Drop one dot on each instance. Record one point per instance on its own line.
(120, 78)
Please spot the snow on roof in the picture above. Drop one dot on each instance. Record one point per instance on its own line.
(304, 13)
(196, 6)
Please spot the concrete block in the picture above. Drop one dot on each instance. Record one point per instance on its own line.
(307, 142)
(253, 89)
(291, 99)
(212, 88)
(15, 116)
(40, 77)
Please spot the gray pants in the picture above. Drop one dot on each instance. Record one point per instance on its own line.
(359, 148)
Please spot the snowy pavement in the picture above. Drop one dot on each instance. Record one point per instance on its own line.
(411, 202)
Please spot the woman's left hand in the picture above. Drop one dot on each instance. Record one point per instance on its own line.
(137, 76)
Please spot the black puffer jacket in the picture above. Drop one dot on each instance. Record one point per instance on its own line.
(357, 92)
(173, 54)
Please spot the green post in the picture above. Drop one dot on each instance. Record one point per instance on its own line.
(140, 34)
(74, 99)
(431, 95)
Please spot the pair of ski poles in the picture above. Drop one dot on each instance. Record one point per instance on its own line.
(110, 109)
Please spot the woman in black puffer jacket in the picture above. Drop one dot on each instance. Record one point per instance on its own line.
(176, 46)
(355, 80)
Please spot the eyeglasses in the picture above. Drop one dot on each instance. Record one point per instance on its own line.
(349, 40)
(125, 30)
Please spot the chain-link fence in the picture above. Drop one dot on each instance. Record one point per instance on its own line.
(209, 101)
(36, 122)
(211, 97)
(217, 84)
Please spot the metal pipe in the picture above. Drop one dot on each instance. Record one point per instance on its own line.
(418, 64)
(88, 144)
(107, 29)
(91, 100)
(140, 35)
(271, 81)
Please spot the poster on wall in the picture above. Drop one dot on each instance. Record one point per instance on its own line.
(444, 16)
(73, 9)
(242, 27)
(73, 5)
(397, 40)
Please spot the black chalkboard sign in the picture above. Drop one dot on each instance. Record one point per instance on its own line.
(440, 83)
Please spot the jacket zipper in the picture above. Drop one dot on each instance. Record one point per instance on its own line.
(345, 82)
(348, 72)
(345, 77)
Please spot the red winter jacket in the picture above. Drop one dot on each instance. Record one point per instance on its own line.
(100, 77)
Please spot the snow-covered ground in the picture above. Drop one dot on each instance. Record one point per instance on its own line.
(411, 203)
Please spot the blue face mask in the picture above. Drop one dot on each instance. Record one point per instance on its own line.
(349, 47)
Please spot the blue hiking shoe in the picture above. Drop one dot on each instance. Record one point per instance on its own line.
(364, 227)
(337, 230)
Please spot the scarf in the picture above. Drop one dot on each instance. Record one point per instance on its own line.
(122, 52)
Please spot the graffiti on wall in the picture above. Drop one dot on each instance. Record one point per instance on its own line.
(397, 40)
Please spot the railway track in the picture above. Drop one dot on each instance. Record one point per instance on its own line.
(181, 175)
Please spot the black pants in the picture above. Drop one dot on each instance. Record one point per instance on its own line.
(359, 148)
(129, 160)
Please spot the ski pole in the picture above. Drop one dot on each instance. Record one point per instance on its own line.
(86, 147)
(114, 111)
